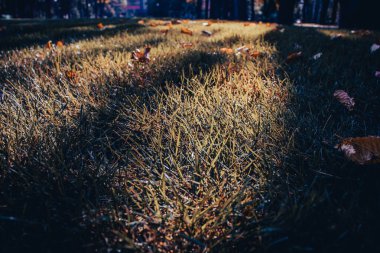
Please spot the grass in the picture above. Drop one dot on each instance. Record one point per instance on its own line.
(197, 150)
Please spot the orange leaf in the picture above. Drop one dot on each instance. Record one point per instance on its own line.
(100, 26)
(361, 150)
(186, 31)
(293, 57)
(71, 74)
(186, 44)
(246, 24)
(59, 43)
(345, 99)
(255, 54)
(141, 57)
(227, 50)
(49, 45)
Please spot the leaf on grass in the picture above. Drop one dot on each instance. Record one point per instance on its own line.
(139, 56)
(71, 74)
(186, 31)
(164, 31)
(293, 57)
(374, 47)
(49, 45)
(100, 26)
(227, 50)
(345, 99)
(377, 74)
(59, 43)
(255, 54)
(246, 24)
(186, 44)
(207, 33)
(361, 150)
(317, 56)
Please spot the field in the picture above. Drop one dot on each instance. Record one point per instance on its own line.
(214, 142)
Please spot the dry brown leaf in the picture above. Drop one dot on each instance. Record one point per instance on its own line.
(59, 43)
(255, 54)
(100, 26)
(71, 74)
(164, 31)
(186, 44)
(361, 150)
(207, 33)
(186, 31)
(246, 24)
(293, 57)
(227, 50)
(49, 45)
(345, 99)
(137, 55)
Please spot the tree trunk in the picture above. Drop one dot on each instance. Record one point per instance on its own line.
(199, 8)
(253, 10)
(323, 14)
(286, 12)
(334, 11)
(242, 10)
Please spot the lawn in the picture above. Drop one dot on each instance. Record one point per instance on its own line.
(219, 138)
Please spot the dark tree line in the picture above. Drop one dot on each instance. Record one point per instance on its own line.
(347, 13)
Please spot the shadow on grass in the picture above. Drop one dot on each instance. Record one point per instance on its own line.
(23, 34)
(326, 203)
(48, 193)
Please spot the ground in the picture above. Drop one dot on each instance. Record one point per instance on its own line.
(215, 142)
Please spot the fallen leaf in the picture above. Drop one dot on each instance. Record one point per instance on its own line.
(374, 47)
(246, 24)
(227, 50)
(137, 55)
(59, 43)
(317, 56)
(361, 150)
(186, 44)
(186, 31)
(207, 33)
(49, 45)
(344, 99)
(293, 57)
(255, 54)
(164, 31)
(100, 26)
(71, 74)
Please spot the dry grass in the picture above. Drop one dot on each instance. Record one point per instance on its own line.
(197, 150)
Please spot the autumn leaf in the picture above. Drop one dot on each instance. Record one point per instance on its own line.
(139, 56)
(49, 45)
(344, 99)
(293, 57)
(164, 31)
(207, 33)
(246, 24)
(227, 50)
(71, 74)
(100, 26)
(186, 31)
(59, 43)
(361, 150)
(255, 54)
(186, 44)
